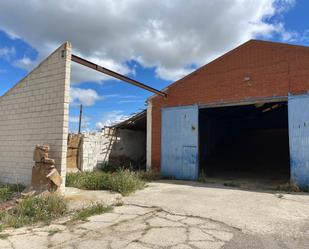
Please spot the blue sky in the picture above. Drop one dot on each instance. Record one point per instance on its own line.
(156, 44)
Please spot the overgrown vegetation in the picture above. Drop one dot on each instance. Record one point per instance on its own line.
(150, 176)
(94, 209)
(8, 190)
(122, 181)
(5, 194)
(147, 176)
(32, 210)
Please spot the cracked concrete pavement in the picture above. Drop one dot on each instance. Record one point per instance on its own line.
(182, 215)
(126, 227)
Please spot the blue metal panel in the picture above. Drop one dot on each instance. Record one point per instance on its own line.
(179, 142)
(298, 107)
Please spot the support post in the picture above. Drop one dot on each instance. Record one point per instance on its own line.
(149, 136)
(80, 118)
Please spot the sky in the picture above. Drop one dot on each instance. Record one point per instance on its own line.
(154, 42)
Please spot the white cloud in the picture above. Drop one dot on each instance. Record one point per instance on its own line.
(75, 119)
(86, 97)
(305, 36)
(85, 122)
(167, 35)
(7, 52)
(110, 118)
(25, 63)
(81, 73)
(128, 101)
(171, 73)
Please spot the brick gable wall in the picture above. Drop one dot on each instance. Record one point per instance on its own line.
(275, 71)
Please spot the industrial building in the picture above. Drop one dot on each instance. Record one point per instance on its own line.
(244, 114)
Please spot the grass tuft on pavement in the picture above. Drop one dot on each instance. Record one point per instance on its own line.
(94, 209)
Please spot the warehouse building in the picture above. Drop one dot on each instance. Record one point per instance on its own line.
(244, 114)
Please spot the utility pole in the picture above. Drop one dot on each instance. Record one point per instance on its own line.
(80, 118)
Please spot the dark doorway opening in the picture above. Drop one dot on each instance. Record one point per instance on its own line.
(249, 141)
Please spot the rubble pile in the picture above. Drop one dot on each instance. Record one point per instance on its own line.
(45, 177)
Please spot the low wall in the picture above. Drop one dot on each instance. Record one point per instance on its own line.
(121, 147)
(35, 111)
(94, 150)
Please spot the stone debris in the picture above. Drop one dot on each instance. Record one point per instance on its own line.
(74, 152)
(40, 153)
(45, 177)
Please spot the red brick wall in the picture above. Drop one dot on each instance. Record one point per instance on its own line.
(275, 70)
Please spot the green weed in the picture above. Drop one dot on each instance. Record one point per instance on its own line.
(5, 194)
(34, 209)
(52, 232)
(7, 191)
(122, 181)
(94, 209)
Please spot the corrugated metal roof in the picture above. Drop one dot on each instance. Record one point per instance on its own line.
(135, 122)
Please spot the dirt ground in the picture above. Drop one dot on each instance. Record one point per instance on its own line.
(176, 214)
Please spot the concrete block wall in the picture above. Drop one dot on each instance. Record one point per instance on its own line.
(274, 69)
(100, 147)
(35, 111)
(94, 150)
(130, 143)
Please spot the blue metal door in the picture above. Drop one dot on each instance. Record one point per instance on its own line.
(298, 107)
(179, 142)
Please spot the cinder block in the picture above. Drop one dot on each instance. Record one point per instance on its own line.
(30, 115)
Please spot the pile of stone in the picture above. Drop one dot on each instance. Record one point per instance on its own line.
(74, 152)
(45, 177)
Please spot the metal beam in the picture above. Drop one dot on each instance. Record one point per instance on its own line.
(111, 73)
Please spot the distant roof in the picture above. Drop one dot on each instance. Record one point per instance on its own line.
(136, 122)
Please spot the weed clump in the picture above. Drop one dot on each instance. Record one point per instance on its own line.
(5, 194)
(94, 209)
(8, 190)
(122, 181)
(34, 209)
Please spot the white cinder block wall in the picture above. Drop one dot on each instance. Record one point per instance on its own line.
(94, 150)
(35, 111)
(98, 147)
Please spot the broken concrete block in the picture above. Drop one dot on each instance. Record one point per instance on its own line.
(45, 177)
(40, 152)
(48, 161)
(39, 173)
(28, 191)
(55, 177)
